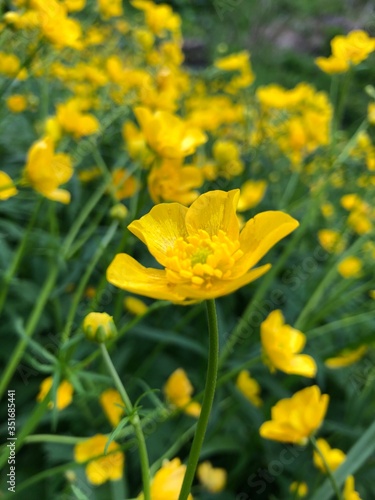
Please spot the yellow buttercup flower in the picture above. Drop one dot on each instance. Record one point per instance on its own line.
(227, 157)
(46, 170)
(7, 187)
(349, 492)
(301, 489)
(135, 306)
(213, 479)
(371, 113)
(178, 391)
(110, 8)
(99, 327)
(203, 252)
(252, 193)
(346, 357)
(167, 482)
(282, 345)
(168, 135)
(113, 406)
(16, 103)
(159, 18)
(74, 5)
(331, 240)
(249, 387)
(332, 65)
(333, 456)
(10, 65)
(308, 408)
(123, 184)
(350, 267)
(100, 469)
(74, 121)
(64, 393)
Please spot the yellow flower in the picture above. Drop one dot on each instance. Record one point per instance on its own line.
(74, 121)
(46, 170)
(10, 65)
(350, 267)
(213, 479)
(282, 345)
(123, 184)
(104, 468)
(349, 492)
(249, 387)
(333, 456)
(307, 407)
(331, 240)
(135, 306)
(99, 327)
(7, 187)
(167, 482)
(159, 18)
(354, 47)
(233, 62)
(332, 65)
(74, 5)
(178, 391)
(110, 8)
(346, 357)
(227, 156)
(64, 393)
(252, 193)
(135, 142)
(119, 212)
(113, 406)
(16, 103)
(169, 135)
(301, 488)
(201, 247)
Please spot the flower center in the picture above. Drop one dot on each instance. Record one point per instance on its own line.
(199, 259)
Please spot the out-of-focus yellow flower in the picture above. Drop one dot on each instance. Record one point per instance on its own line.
(332, 65)
(99, 327)
(350, 267)
(201, 247)
(372, 294)
(331, 240)
(308, 408)
(145, 38)
(10, 65)
(113, 406)
(105, 468)
(74, 121)
(46, 170)
(89, 174)
(159, 18)
(169, 135)
(7, 187)
(371, 113)
(227, 157)
(167, 482)
(213, 479)
(64, 393)
(252, 193)
(135, 142)
(178, 391)
(16, 103)
(123, 184)
(119, 212)
(333, 456)
(135, 306)
(171, 181)
(249, 387)
(110, 8)
(300, 488)
(349, 492)
(327, 210)
(350, 201)
(52, 128)
(346, 357)
(282, 344)
(237, 62)
(75, 5)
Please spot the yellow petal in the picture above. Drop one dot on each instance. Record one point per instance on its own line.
(126, 273)
(301, 364)
(60, 195)
(160, 228)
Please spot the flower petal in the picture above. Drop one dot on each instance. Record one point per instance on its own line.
(160, 228)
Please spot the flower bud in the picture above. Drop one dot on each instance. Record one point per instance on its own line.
(99, 327)
(119, 212)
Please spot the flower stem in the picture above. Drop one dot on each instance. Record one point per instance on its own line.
(135, 421)
(327, 468)
(209, 393)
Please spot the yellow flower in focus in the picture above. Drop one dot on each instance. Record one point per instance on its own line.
(167, 482)
(110, 8)
(301, 489)
(346, 357)
(252, 193)
(213, 479)
(7, 187)
(46, 170)
(113, 406)
(350, 267)
(349, 492)
(282, 344)
(249, 387)
(332, 456)
(64, 393)
(168, 135)
(331, 240)
(16, 103)
(178, 391)
(135, 306)
(308, 408)
(99, 327)
(103, 468)
(201, 248)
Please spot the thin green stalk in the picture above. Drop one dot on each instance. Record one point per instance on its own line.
(84, 280)
(53, 438)
(341, 323)
(340, 108)
(327, 467)
(12, 269)
(208, 398)
(134, 420)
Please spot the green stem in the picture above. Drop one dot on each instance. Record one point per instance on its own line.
(134, 420)
(53, 438)
(12, 269)
(341, 323)
(340, 108)
(327, 468)
(208, 398)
